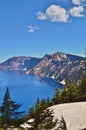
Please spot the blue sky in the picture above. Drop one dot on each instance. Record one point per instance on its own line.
(39, 27)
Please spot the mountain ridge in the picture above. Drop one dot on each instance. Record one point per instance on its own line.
(57, 65)
(19, 63)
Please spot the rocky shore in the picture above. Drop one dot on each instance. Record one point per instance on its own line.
(73, 113)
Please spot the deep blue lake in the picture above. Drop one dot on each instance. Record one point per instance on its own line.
(25, 89)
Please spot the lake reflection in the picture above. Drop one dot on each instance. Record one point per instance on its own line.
(25, 89)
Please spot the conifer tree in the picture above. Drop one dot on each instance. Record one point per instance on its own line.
(9, 111)
(57, 97)
(82, 88)
(43, 120)
(70, 93)
(41, 116)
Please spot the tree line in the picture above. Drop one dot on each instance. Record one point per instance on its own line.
(71, 92)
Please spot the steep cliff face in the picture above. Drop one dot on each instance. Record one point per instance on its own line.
(60, 66)
(19, 63)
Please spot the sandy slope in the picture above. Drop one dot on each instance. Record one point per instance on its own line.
(73, 113)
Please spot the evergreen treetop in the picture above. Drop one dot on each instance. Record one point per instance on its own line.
(9, 111)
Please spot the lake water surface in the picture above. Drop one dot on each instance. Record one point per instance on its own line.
(25, 89)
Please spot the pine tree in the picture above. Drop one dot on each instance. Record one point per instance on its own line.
(9, 111)
(57, 97)
(82, 88)
(43, 120)
(69, 93)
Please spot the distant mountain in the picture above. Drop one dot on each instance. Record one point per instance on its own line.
(19, 63)
(59, 66)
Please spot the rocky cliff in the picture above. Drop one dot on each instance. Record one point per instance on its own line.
(60, 66)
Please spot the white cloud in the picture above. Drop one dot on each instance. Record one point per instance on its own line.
(77, 11)
(41, 15)
(54, 13)
(32, 28)
(77, 2)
